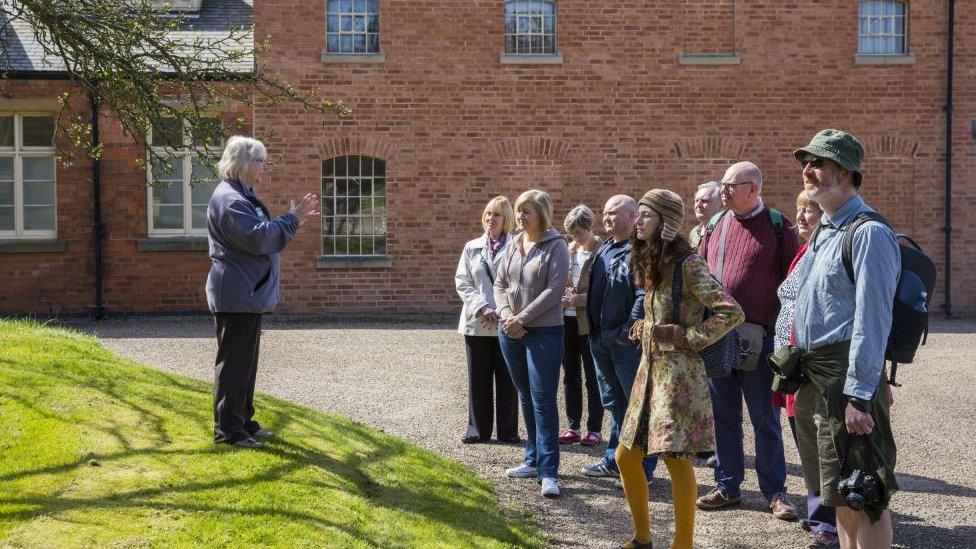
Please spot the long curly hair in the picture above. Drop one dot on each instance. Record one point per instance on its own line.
(648, 258)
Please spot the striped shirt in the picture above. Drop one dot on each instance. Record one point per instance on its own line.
(830, 308)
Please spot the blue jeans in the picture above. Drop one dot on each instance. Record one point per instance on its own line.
(616, 368)
(727, 394)
(534, 361)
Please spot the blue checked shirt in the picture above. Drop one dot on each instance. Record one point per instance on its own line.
(830, 308)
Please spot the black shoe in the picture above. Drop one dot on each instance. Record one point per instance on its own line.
(247, 443)
(511, 440)
(262, 433)
(472, 439)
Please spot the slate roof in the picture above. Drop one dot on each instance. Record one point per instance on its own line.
(215, 20)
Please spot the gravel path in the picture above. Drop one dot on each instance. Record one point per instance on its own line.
(408, 379)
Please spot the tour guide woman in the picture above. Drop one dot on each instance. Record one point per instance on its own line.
(670, 412)
(243, 281)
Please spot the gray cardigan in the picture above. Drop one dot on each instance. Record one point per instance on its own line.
(244, 247)
(532, 287)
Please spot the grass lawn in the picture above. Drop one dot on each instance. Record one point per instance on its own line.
(97, 450)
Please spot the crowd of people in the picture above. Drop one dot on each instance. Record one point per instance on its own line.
(642, 317)
(670, 333)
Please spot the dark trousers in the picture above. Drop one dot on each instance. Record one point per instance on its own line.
(490, 390)
(727, 395)
(577, 361)
(238, 340)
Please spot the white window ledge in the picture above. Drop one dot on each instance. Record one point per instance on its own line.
(907, 59)
(29, 245)
(516, 59)
(353, 262)
(173, 244)
(709, 59)
(328, 57)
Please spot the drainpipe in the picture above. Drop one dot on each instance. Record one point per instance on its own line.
(98, 229)
(948, 167)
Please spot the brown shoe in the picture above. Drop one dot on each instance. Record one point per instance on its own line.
(716, 499)
(781, 507)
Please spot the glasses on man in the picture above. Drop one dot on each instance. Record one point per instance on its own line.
(731, 186)
(815, 162)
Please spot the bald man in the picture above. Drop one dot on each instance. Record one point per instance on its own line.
(611, 298)
(750, 256)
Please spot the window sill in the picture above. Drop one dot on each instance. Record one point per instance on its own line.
(22, 246)
(353, 262)
(709, 59)
(515, 59)
(908, 59)
(328, 57)
(173, 244)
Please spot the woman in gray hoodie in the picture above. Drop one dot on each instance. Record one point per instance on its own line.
(529, 287)
(243, 281)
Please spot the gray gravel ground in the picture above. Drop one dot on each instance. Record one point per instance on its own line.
(408, 378)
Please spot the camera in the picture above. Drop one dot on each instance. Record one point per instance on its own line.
(860, 490)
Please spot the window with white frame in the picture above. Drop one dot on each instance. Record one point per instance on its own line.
(352, 26)
(530, 27)
(353, 206)
(181, 179)
(28, 204)
(882, 28)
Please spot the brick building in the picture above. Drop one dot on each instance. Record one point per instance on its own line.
(455, 102)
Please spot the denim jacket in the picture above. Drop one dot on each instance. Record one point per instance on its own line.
(623, 301)
(244, 247)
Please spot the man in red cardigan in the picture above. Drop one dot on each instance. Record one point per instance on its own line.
(753, 257)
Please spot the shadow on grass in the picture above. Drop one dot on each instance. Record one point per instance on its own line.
(148, 415)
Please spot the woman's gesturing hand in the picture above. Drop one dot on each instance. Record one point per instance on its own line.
(305, 208)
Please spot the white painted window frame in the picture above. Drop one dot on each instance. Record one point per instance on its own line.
(187, 153)
(340, 14)
(883, 16)
(18, 152)
(384, 219)
(518, 16)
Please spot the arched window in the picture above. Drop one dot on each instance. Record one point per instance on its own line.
(882, 28)
(352, 26)
(353, 206)
(530, 27)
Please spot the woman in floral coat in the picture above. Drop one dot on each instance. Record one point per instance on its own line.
(670, 412)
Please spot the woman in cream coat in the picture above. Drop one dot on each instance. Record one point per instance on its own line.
(490, 388)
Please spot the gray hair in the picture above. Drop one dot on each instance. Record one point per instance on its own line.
(236, 162)
(579, 219)
(711, 187)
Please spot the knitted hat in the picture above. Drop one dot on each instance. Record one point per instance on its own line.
(669, 206)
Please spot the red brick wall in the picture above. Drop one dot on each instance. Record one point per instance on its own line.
(619, 115)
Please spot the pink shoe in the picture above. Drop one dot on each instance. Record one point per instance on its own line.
(592, 438)
(569, 437)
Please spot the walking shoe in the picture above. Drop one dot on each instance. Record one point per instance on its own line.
(592, 438)
(824, 540)
(600, 469)
(781, 507)
(569, 437)
(550, 488)
(262, 433)
(634, 544)
(521, 471)
(712, 461)
(716, 499)
(247, 443)
(617, 483)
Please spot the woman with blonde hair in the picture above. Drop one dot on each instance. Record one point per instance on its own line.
(670, 411)
(491, 394)
(529, 287)
(245, 243)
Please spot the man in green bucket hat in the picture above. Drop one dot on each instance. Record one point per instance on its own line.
(841, 328)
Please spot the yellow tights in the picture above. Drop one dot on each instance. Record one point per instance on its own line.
(683, 488)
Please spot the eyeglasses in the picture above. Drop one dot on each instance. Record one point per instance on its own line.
(260, 161)
(815, 162)
(732, 186)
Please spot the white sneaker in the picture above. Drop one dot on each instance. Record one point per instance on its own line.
(550, 488)
(521, 471)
